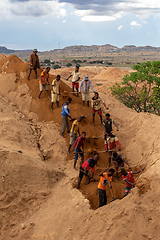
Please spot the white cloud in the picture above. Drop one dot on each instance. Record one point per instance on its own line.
(120, 27)
(45, 23)
(96, 18)
(134, 23)
(91, 10)
(34, 8)
(95, 10)
(64, 21)
(30, 21)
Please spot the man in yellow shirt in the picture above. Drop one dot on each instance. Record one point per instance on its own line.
(75, 79)
(73, 132)
(44, 82)
(55, 91)
(105, 178)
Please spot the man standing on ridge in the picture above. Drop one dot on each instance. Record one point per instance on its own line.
(85, 85)
(55, 91)
(75, 79)
(34, 63)
(43, 82)
(65, 114)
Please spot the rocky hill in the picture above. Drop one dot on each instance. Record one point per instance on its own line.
(107, 48)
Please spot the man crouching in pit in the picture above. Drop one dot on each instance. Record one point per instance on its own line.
(84, 169)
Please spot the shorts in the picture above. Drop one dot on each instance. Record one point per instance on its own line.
(54, 97)
(76, 154)
(99, 111)
(81, 172)
(73, 138)
(41, 87)
(127, 190)
(85, 97)
(75, 84)
(118, 164)
(110, 150)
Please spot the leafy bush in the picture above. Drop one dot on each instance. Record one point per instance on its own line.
(68, 64)
(141, 89)
(47, 61)
(56, 66)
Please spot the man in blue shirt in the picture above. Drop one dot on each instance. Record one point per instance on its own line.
(65, 114)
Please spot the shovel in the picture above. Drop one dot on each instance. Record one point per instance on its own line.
(98, 137)
(140, 174)
(113, 199)
(87, 115)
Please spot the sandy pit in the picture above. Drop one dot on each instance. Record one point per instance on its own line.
(38, 195)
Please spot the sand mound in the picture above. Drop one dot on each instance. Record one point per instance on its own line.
(38, 195)
(2, 56)
(13, 64)
(112, 74)
(90, 71)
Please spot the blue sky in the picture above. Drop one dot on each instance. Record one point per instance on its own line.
(46, 25)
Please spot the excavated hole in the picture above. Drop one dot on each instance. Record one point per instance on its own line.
(90, 191)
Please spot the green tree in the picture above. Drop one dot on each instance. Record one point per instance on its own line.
(56, 66)
(141, 89)
(68, 64)
(47, 61)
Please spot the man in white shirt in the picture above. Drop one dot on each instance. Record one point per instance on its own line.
(75, 79)
(85, 85)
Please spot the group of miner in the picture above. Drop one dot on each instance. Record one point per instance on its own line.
(77, 139)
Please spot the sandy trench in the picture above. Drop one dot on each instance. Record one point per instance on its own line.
(39, 129)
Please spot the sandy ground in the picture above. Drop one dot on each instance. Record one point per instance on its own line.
(38, 198)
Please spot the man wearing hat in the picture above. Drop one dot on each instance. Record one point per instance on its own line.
(85, 85)
(34, 63)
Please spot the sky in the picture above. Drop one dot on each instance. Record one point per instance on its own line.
(53, 24)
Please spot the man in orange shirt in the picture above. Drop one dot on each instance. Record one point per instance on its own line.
(43, 82)
(106, 178)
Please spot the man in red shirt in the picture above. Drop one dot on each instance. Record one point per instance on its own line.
(86, 166)
(77, 148)
(129, 180)
(111, 142)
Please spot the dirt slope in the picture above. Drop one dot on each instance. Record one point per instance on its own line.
(38, 199)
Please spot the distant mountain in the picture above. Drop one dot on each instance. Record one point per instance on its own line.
(4, 50)
(92, 48)
(80, 48)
